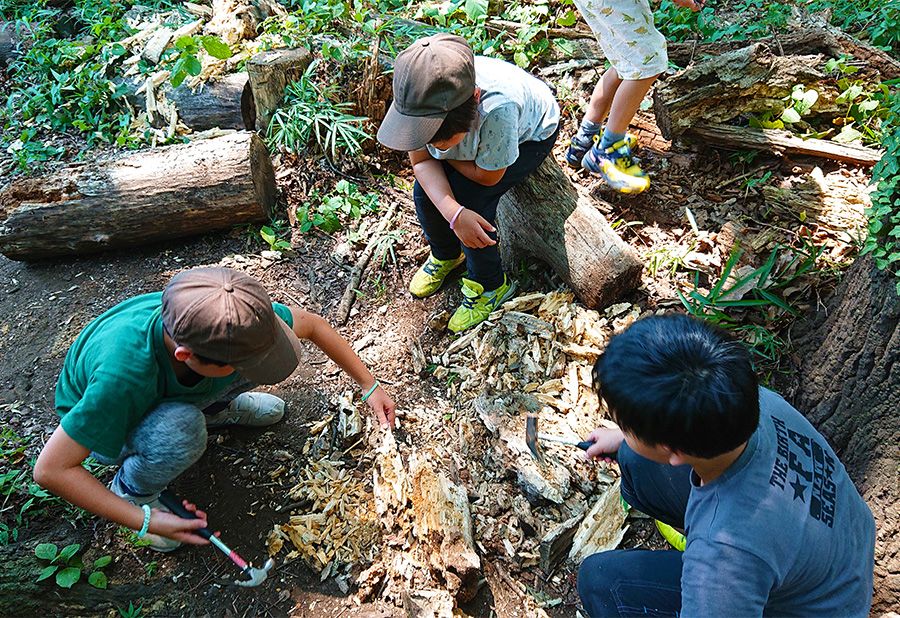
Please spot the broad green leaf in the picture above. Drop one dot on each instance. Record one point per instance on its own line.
(848, 135)
(102, 561)
(568, 19)
(810, 98)
(185, 43)
(475, 9)
(68, 577)
(47, 572)
(98, 580)
(68, 551)
(790, 115)
(216, 47)
(192, 65)
(45, 551)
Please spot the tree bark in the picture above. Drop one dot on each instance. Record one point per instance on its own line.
(849, 387)
(9, 43)
(783, 142)
(544, 217)
(747, 80)
(138, 198)
(270, 72)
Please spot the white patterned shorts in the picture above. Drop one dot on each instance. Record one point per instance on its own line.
(625, 31)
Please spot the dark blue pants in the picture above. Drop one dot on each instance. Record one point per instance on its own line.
(635, 582)
(483, 264)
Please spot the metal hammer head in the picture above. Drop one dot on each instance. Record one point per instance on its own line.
(257, 576)
(531, 436)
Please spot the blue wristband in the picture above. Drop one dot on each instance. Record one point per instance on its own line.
(146, 525)
(371, 390)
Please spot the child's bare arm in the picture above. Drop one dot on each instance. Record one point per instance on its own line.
(470, 170)
(470, 227)
(315, 329)
(59, 470)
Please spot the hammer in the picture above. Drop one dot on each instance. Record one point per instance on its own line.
(532, 436)
(257, 576)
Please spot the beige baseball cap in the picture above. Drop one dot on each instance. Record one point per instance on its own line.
(432, 76)
(227, 316)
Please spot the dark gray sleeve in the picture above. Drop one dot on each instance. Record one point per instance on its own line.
(721, 580)
(498, 139)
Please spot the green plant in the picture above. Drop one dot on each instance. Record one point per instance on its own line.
(667, 258)
(68, 568)
(183, 55)
(346, 200)
(150, 568)
(876, 20)
(311, 113)
(275, 235)
(131, 611)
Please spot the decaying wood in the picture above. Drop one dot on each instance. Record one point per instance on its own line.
(428, 604)
(270, 72)
(602, 528)
(508, 592)
(236, 20)
(139, 197)
(9, 43)
(157, 44)
(783, 142)
(350, 292)
(752, 79)
(545, 217)
(555, 545)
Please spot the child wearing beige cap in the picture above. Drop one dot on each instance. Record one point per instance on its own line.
(474, 128)
(142, 382)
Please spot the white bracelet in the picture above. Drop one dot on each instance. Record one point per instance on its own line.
(146, 525)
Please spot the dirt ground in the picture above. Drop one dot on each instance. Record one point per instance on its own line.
(243, 478)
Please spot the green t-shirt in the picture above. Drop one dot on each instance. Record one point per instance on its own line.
(118, 369)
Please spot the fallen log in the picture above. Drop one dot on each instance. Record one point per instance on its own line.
(783, 142)
(748, 80)
(138, 198)
(546, 218)
(9, 43)
(270, 72)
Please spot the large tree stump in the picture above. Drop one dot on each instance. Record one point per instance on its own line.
(138, 198)
(270, 73)
(849, 388)
(546, 218)
(747, 80)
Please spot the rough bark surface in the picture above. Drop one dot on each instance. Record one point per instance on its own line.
(545, 217)
(783, 142)
(137, 198)
(849, 388)
(20, 595)
(226, 103)
(747, 80)
(9, 43)
(270, 72)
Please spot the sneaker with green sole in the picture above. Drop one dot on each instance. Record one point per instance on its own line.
(430, 277)
(477, 304)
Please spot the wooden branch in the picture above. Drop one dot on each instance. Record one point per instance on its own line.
(783, 142)
(139, 197)
(359, 268)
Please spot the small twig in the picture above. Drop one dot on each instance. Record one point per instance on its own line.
(360, 266)
(752, 172)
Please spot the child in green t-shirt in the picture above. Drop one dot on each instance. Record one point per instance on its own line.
(142, 382)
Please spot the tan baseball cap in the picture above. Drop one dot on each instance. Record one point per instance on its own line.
(431, 77)
(227, 316)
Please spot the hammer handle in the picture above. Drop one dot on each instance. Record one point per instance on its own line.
(173, 503)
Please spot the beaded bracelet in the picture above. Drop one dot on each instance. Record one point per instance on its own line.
(146, 525)
(371, 390)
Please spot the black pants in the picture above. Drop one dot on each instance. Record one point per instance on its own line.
(635, 582)
(483, 264)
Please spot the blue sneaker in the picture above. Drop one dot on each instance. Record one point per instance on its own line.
(580, 147)
(617, 167)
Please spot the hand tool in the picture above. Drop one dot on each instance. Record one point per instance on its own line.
(257, 576)
(532, 435)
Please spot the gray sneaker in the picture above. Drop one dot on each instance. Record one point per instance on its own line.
(250, 409)
(156, 542)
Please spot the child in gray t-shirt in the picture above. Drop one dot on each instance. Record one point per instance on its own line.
(774, 525)
(474, 128)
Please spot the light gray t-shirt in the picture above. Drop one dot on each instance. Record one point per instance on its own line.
(515, 107)
(783, 532)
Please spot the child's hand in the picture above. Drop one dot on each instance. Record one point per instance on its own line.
(694, 5)
(606, 441)
(174, 527)
(471, 228)
(383, 406)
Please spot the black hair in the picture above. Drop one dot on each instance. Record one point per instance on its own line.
(208, 361)
(458, 120)
(675, 381)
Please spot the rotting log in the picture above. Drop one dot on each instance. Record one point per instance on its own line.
(9, 43)
(555, 545)
(236, 20)
(138, 198)
(747, 80)
(546, 218)
(601, 529)
(270, 72)
(782, 142)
